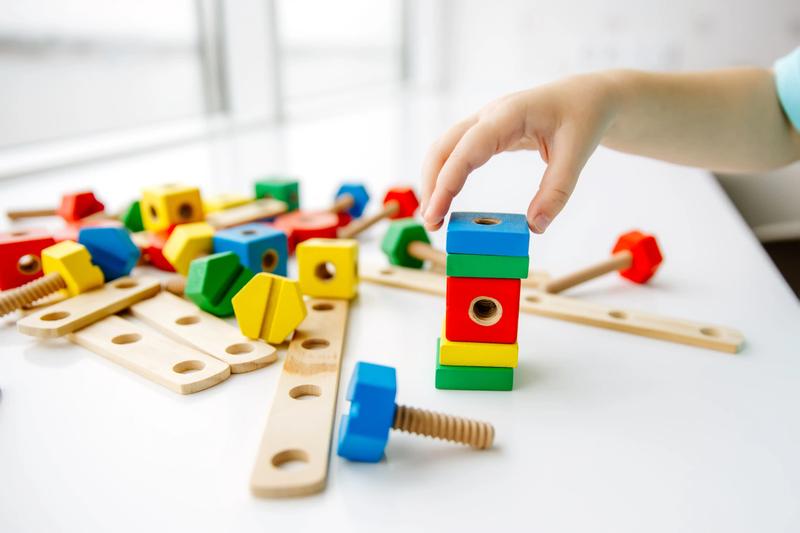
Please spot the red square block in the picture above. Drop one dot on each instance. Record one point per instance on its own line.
(21, 256)
(482, 310)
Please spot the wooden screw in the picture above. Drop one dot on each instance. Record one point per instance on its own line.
(30, 292)
(473, 433)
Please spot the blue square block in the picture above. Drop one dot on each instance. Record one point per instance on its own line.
(259, 247)
(111, 248)
(488, 234)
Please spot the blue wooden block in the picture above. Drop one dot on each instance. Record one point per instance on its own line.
(260, 248)
(488, 234)
(111, 248)
(364, 431)
(359, 194)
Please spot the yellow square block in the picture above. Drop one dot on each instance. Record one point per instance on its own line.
(186, 243)
(269, 307)
(223, 201)
(328, 268)
(74, 263)
(170, 204)
(453, 353)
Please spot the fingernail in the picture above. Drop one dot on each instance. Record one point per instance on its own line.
(540, 223)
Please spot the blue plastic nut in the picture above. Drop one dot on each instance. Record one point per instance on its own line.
(260, 248)
(364, 432)
(111, 248)
(360, 198)
(488, 234)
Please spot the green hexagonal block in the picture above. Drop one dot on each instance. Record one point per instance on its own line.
(132, 217)
(214, 280)
(283, 189)
(395, 243)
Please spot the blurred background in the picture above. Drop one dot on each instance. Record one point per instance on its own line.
(84, 80)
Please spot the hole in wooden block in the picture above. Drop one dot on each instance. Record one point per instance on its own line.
(315, 344)
(185, 211)
(239, 348)
(486, 221)
(126, 284)
(248, 232)
(269, 261)
(532, 298)
(621, 315)
(290, 459)
(485, 311)
(187, 320)
(126, 338)
(710, 332)
(29, 264)
(153, 213)
(325, 271)
(322, 306)
(386, 272)
(305, 392)
(55, 315)
(187, 367)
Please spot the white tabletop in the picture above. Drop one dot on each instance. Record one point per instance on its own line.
(604, 431)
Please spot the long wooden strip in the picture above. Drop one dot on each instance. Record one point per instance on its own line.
(81, 310)
(184, 322)
(151, 355)
(235, 216)
(300, 422)
(713, 337)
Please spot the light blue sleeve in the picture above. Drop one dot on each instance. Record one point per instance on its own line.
(787, 82)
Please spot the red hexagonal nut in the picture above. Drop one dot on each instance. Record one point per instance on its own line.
(405, 198)
(79, 205)
(646, 256)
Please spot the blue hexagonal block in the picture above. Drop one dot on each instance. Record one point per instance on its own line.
(260, 248)
(111, 248)
(360, 198)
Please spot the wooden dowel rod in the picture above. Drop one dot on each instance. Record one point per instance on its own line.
(618, 261)
(361, 224)
(425, 252)
(16, 214)
(342, 203)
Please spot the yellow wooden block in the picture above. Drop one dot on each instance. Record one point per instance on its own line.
(453, 353)
(170, 204)
(269, 307)
(186, 243)
(74, 263)
(328, 268)
(223, 201)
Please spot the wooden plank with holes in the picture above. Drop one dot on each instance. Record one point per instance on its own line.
(79, 311)
(235, 216)
(703, 335)
(300, 423)
(153, 356)
(184, 322)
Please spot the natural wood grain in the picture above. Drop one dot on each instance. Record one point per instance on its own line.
(360, 225)
(235, 216)
(618, 261)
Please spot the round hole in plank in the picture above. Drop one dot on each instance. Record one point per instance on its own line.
(126, 338)
(187, 320)
(126, 284)
(240, 348)
(325, 271)
(290, 459)
(185, 211)
(486, 221)
(322, 306)
(269, 260)
(55, 315)
(532, 298)
(710, 332)
(485, 311)
(187, 367)
(29, 264)
(315, 344)
(386, 272)
(305, 392)
(620, 315)
(18, 233)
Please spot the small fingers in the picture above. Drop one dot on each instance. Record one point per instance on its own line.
(437, 155)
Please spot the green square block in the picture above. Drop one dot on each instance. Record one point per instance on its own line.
(132, 217)
(283, 189)
(472, 377)
(487, 266)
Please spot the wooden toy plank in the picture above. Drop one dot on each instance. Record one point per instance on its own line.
(184, 322)
(300, 422)
(713, 337)
(84, 309)
(235, 216)
(151, 355)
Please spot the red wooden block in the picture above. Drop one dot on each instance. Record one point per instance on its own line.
(153, 253)
(482, 310)
(646, 255)
(406, 198)
(79, 205)
(300, 226)
(21, 256)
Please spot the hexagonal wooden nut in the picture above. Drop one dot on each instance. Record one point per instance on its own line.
(74, 263)
(360, 197)
(395, 243)
(645, 253)
(79, 205)
(406, 200)
(111, 248)
(269, 307)
(186, 243)
(214, 280)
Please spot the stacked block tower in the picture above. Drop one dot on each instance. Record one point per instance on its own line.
(487, 256)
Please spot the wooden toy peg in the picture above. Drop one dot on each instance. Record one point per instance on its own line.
(399, 202)
(243, 214)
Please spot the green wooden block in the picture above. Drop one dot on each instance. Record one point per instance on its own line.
(395, 243)
(487, 266)
(132, 217)
(214, 280)
(283, 189)
(472, 377)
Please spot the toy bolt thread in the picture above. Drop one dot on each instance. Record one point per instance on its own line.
(30, 292)
(440, 426)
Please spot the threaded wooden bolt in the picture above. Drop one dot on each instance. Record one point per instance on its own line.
(473, 433)
(23, 295)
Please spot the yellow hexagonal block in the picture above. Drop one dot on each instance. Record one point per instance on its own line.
(269, 307)
(453, 353)
(328, 268)
(170, 204)
(73, 262)
(186, 243)
(223, 201)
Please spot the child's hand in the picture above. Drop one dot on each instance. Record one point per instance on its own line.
(563, 121)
